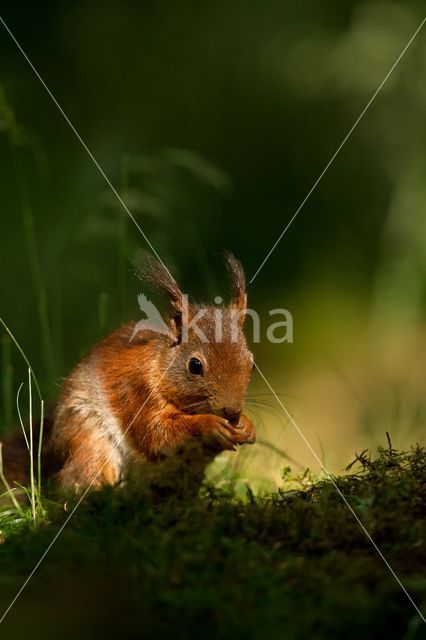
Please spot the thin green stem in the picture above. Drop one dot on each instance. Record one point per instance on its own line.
(7, 375)
(20, 416)
(40, 445)
(21, 351)
(32, 481)
(40, 291)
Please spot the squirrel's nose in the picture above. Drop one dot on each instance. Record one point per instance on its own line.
(232, 415)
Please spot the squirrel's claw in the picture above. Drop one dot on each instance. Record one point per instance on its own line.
(218, 430)
(247, 431)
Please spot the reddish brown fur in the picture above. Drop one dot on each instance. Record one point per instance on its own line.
(89, 462)
(136, 400)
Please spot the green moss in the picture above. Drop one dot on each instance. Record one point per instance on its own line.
(294, 564)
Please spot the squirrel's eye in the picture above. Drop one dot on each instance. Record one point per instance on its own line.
(195, 366)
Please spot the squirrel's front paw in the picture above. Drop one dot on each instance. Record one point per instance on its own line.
(246, 431)
(217, 431)
(223, 433)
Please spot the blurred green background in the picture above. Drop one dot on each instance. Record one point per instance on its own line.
(213, 120)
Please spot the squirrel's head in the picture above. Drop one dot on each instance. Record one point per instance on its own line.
(203, 363)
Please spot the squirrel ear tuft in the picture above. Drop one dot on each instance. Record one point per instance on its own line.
(155, 274)
(238, 284)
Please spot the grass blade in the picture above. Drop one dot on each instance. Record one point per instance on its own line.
(32, 482)
(7, 376)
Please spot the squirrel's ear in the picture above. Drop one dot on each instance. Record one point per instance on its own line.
(175, 324)
(156, 275)
(238, 284)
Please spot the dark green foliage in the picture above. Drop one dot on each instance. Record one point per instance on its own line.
(289, 565)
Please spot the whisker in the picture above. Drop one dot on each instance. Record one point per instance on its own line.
(263, 404)
(269, 395)
(274, 411)
(194, 404)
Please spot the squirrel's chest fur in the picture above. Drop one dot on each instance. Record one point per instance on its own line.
(98, 416)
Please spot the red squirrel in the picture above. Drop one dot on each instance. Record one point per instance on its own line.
(137, 396)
